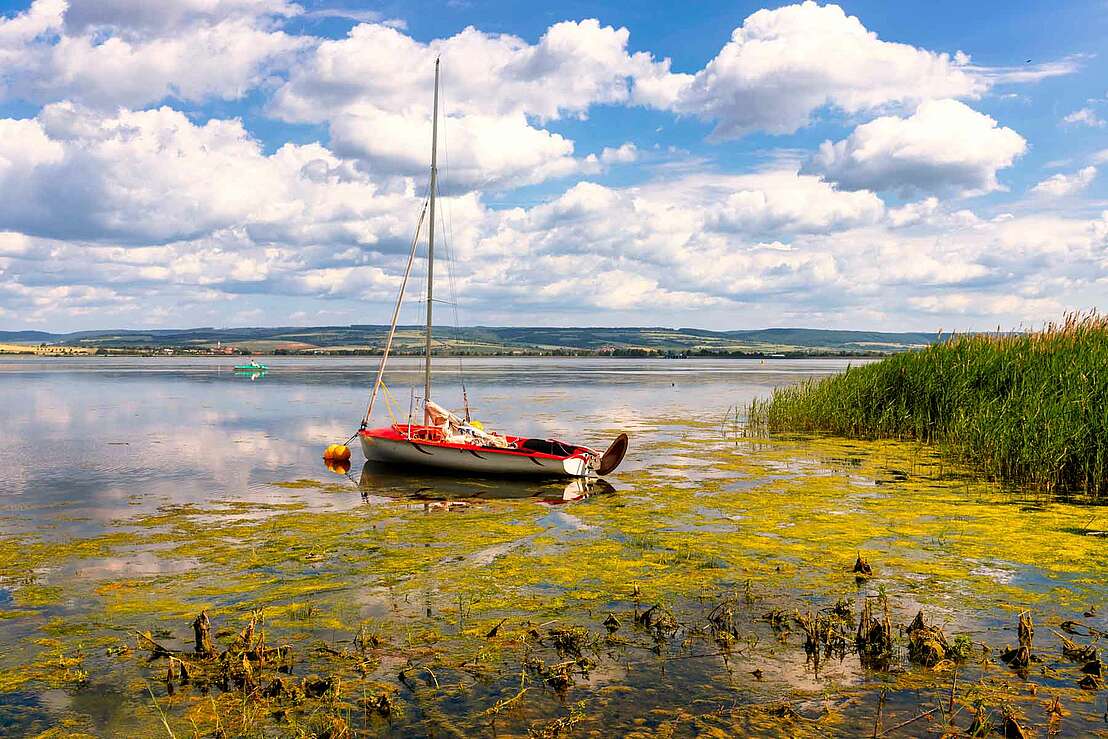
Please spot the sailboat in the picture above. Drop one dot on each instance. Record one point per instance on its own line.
(451, 443)
(252, 366)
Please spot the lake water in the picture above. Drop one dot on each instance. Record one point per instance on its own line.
(135, 492)
(101, 438)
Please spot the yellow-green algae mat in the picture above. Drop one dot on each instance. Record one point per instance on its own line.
(670, 604)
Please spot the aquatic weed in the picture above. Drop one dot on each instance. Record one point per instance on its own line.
(1023, 407)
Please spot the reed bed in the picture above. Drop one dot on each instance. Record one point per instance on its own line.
(1028, 408)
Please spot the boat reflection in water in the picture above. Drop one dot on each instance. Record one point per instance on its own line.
(377, 479)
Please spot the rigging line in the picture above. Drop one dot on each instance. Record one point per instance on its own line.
(447, 220)
(390, 402)
(444, 213)
(414, 325)
(417, 323)
(395, 316)
(435, 300)
(448, 239)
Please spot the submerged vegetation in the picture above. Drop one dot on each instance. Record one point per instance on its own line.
(1027, 408)
(760, 587)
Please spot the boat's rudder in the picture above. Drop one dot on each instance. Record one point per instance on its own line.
(613, 456)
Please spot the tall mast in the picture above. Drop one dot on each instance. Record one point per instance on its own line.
(431, 248)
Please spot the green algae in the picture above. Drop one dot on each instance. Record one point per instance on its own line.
(54, 664)
(21, 558)
(434, 580)
(34, 595)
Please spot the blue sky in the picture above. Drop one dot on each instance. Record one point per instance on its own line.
(720, 165)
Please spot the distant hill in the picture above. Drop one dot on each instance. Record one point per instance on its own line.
(485, 340)
(27, 337)
(834, 339)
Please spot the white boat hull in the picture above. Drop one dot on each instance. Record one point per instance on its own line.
(484, 462)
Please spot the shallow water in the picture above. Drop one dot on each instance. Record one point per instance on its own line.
(136, 492)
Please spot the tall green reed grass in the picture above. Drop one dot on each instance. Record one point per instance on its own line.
(1027, 408)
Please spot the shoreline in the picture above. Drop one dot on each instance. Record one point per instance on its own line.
(70, 352)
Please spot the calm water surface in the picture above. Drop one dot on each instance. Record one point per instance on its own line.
(136, 491)
(101, 438)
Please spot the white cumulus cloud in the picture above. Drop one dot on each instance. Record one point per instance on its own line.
(1061, 185)
(782, 65)
(133, 53)
(702, 248)
(374, 87)
(119, 208)
(783, 202)
(155, 176)
(168, 15)
(1084, 117)
(623, 154)
(572, 66)
(943, 147)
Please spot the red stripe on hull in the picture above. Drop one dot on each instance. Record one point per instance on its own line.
(426, 448)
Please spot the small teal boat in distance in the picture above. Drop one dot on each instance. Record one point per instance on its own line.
(253, 366)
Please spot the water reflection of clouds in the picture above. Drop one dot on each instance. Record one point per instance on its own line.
(109, 439)
(320, 433)
(181, 453)
(127, 562)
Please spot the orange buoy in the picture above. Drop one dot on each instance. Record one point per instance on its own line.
(337, 452)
